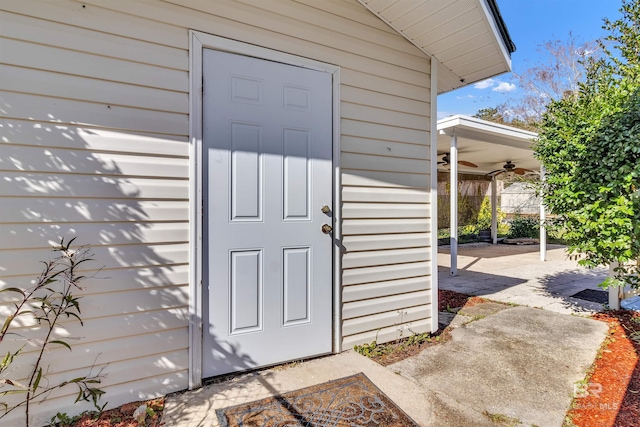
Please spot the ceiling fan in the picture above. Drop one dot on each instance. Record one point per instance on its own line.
(509, 167)
(446, 161)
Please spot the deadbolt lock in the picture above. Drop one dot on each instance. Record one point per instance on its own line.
(326, 209)
(326, 228)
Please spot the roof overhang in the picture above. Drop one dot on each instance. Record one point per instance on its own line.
(489, 145)
(468, 38)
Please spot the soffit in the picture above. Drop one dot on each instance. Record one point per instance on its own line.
(489, 145)
(463, 35)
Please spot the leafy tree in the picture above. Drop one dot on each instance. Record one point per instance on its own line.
(557, 75)
(589, 143)
(491, 114)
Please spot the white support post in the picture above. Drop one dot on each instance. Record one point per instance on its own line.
(494, 210)
(614, 291)
(543, 218)
(453, 213)
(433, 141)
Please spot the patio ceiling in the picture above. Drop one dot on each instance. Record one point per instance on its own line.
(489, 145)
(468, 37)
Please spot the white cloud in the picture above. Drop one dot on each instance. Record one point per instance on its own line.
(484, 84)
(504, 87)
(465, 97)
(443, 114)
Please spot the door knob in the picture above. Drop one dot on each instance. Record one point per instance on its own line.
(326, 228)
(325, 209)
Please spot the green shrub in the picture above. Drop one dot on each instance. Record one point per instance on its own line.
(524, 227)
(51, 300)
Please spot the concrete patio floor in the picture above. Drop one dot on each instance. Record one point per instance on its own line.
(515, 274)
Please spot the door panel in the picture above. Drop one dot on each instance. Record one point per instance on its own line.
(246, 291)
(246, 172)
(296, 191)
(297, 278)
(267, 173)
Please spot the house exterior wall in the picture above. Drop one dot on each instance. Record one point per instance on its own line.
(520, 199)
(94, 140)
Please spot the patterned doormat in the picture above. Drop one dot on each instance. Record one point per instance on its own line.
(593, 295)
(346, 402)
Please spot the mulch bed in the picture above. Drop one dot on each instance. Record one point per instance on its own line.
(123, 416)
(393, 352)
(450, 300)
(613, 391)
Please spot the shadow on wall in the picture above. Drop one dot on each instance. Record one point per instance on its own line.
(61, 181)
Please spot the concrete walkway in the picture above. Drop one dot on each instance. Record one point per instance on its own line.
(515, 274)
(518, 362)
(197, 408)
(502, 363)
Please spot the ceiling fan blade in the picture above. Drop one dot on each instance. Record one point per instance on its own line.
(443, 163)
(521, 171)
(496, 172)
(468, 164)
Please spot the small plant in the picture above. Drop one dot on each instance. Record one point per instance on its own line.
(140, 414)
(371, 349)
(524, 227)
(502, 419)
(49, 301)
(62, 419)
(454, 310)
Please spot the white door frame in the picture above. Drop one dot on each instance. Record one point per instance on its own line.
(197, 42)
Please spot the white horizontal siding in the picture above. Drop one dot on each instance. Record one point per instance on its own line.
(73, 38)
(385, 210)
(382, 257)
(71, 185)
(379, 147)
(114, 280)
(135, 254)
(374, 241)
(42, 57)
(94, 142)
(44, 134)
(381, 320)
(24, 236)
(381, 289)
(70, 161)
(58, 85)
(58, 110)
(385, 195)
(383, 164)
(374, 130)
(368, 178)
(382, 227)
(29, 209)
(387, 272)
(389, 333)
(384, 304)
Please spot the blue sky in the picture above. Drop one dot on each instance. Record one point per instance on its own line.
(531, 23)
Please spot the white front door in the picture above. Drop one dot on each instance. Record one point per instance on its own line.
(267, 175)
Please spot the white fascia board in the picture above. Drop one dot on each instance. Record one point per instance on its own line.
(496, 33)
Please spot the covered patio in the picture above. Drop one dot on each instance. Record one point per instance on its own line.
(473, 146)
(512, 274)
